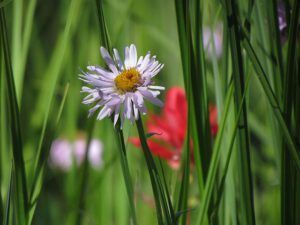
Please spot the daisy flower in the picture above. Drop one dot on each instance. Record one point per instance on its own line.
(121, 89)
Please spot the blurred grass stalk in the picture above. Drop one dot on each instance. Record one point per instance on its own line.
(245, 174)
(189, 26)
(20, 187)
(2, 131)
(25, 215)
(290, 202)
(225, 192)
(52, 76)
(196, 77)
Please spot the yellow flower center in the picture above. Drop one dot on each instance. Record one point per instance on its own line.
(128, 80)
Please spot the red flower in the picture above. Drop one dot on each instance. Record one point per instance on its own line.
(213, 119)
(171, 126)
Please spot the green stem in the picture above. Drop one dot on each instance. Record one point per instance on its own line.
(19, 165)
(151, 168)
(163, 206)
(125, 171)
(290, 175)
(247, 201)
(84, 176)
(271, 98)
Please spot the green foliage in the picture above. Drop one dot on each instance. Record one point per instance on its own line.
(247, 174)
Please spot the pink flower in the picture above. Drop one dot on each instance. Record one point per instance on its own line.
(63, 153)
(213, 41)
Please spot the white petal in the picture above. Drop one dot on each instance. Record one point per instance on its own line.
(144, 63)
(136, 112)
(143, 109)
(127, 58)
(100, 83)
(151, 64)
(101, 71)
(110, 63)
(104, 112)
(156, 87)
(93, 109)
(157, 70)
(85, 89)
(155, 101)
(128, 108)
(138, 98)
(133, 55)
(140, 61)
(117, 113)
(155, 93)
(118, 59)
(113, 101)
(108, 90)
(150, 97)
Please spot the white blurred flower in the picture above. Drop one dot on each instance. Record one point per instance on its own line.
(213, 41)
(63, 153)
(282, 23)
(95, 156)
(121, 90)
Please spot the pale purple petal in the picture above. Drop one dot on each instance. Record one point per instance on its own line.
(118, 59)
(110, 63)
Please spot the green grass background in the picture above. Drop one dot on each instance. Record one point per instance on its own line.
(51, 41)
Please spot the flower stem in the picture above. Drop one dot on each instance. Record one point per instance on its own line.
(126, 172)
(163, 207)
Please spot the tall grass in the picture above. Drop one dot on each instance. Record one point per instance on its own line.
(247, 174)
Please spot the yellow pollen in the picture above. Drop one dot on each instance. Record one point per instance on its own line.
(128, 80)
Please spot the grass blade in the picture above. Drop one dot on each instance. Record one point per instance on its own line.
(213, 165)
(271, 98)
(53, 71)
(2, 135)
(171, 209)
(229, 152)
(290, 175)
(247, 202)
(16, 43)
(19, 166)
(151, 169)
(162, 204)
(184, 188)
(22, 58)
(193, 64)
(46, 138)
(192, 58)
(8, 200)
(126, 172)
(4, 3)
(104, 38)
(84, 175)
(211, 181)
(199, 89)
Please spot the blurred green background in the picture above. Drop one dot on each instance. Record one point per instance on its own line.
(52, 41)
